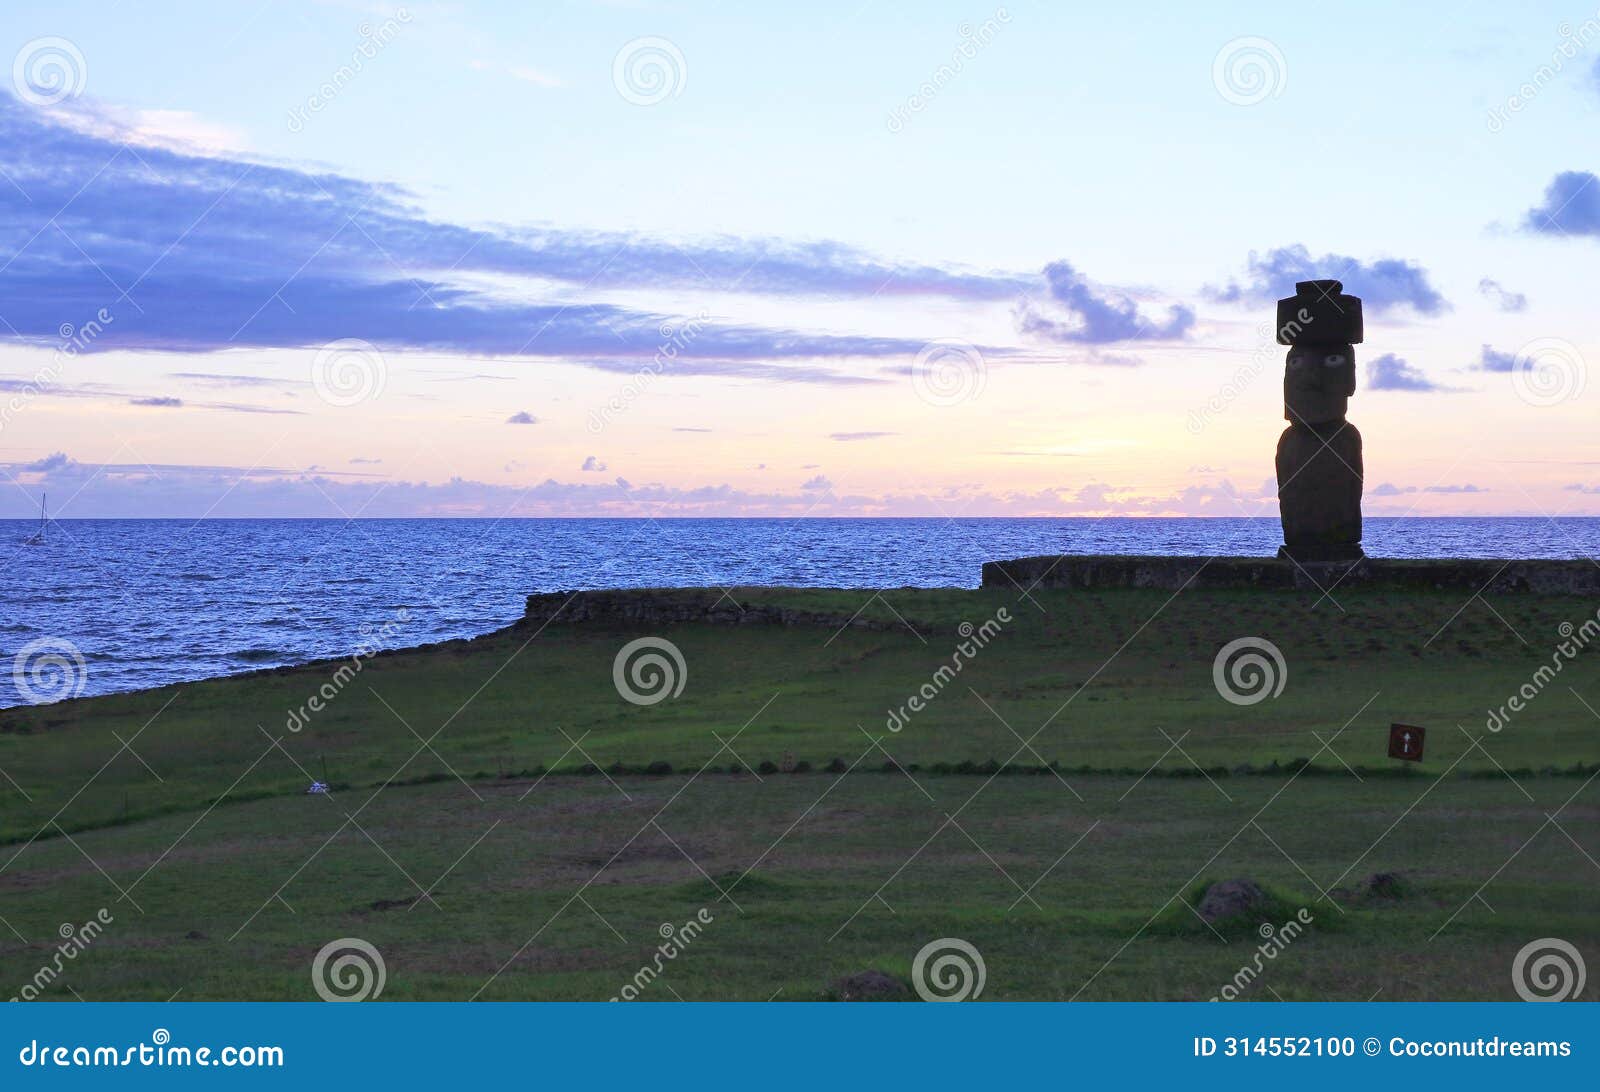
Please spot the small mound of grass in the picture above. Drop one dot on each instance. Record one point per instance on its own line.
(869, 985)
(1276, 909)
(738, 885)
(1379, 890)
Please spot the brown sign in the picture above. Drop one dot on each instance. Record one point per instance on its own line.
(1405, 741)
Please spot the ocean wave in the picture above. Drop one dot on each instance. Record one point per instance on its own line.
(257, 655)
(118, 590)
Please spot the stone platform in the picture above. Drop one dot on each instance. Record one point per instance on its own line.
(1097, 571)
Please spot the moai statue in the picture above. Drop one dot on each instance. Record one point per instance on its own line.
(1319, 454)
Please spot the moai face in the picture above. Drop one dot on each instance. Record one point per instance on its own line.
(1318, 382)
(1321, 325)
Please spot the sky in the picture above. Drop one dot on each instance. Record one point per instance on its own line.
(346, 259)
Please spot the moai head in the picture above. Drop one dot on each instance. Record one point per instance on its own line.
(1321, 325)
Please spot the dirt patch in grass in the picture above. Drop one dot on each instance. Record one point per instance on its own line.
(484, 960)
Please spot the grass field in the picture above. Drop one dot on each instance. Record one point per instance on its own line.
(1058, 803)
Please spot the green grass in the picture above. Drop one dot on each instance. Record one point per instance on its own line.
(555, 884)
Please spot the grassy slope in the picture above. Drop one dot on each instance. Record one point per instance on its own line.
(504, 710)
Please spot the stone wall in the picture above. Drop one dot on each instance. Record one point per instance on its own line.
(1174, 573)
(643, 607)
(676, 606)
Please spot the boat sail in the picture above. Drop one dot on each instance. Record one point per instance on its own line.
(37, 538)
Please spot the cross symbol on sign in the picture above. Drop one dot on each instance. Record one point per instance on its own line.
(1405, 742)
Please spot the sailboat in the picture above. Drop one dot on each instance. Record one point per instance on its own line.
(37, 539)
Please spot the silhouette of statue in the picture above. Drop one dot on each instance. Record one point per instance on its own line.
(1319, 454)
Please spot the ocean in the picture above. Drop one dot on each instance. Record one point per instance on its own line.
(148, 602)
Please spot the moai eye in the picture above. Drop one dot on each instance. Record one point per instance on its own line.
(1333, 360)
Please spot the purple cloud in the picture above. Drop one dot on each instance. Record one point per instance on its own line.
(199, 253)
(190, 491)
(1090, 317)
(1504, 300)
(1390, 373)
(1571, 206)
(1384, 285)
(1492, 360)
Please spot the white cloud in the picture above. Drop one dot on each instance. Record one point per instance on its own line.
(534, 76)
